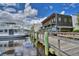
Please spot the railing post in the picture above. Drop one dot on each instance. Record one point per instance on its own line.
(59, 46)
(33, 37)
(36, 38)
(59, 43)
(46, 43)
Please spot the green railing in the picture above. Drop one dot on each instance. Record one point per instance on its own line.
(35, 39)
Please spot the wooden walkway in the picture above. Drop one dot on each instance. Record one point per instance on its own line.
(63, 44)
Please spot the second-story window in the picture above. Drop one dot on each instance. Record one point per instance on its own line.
(5, 30)
(69, 20)
(1, 30)
(65, 20)
(53, 20)
(59, 19)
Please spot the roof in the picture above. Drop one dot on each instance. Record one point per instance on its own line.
(51, 16)
(48, 18)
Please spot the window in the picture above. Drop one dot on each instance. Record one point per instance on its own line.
(59, 19)
(16, 30)
(65, 20)
(1, 30)
(5, 30)
(53, 20)
(69, 20)
(10, 23)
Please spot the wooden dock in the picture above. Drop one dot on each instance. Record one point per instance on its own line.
(63, 44)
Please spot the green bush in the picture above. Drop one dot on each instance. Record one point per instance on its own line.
(76, 29)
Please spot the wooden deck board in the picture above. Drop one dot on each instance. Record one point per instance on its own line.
(65, 46)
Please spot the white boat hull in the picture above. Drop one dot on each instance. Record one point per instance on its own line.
(12, 37)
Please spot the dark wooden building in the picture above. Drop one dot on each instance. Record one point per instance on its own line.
(58, 23)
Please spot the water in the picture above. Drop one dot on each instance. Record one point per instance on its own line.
(2, 50)
(29, 49)
(26, 48)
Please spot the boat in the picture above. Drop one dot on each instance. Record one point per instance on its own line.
(12, 28)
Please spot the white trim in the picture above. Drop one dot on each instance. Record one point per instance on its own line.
(74, 20)
(64, 26)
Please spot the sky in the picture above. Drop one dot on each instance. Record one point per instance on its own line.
(36, 12)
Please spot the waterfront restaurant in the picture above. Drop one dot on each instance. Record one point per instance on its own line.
(58, 23)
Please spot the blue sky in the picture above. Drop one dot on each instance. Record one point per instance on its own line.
(45, 9)
(41, 10)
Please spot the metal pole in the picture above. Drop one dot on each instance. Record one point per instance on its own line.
(46, 43)
(59, 46)
(58, 43)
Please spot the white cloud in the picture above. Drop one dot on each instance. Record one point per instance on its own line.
(27, 4)
(2, 4)
(73, 5)
(21, 15)
(63, 12)
(9, 16)
(10, 9)
(68, 5)
(0, 11)
(51, 7)
(34, 21)
(6, 15)
(66, 8)
(20, 11)
(41, 19)
(29, 11)
(10, 4)
(33, 12)
(38, 20)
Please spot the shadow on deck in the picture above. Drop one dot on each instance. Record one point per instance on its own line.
(41, 50)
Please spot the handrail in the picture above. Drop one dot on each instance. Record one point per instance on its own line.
(66, 39)
(59, 49)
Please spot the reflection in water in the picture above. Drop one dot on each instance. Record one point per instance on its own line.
(17, 48)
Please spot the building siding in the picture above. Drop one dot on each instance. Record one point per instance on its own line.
(58, 23)
(74, 21)
(65, 20)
